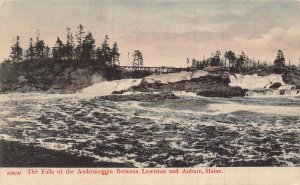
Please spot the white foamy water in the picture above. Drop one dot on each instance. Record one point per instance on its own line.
(228, 107)
(189, 131)
(253, 82)
(107, 87)
(192, 130)
(33, 96)
(175, 77)
(260, 85)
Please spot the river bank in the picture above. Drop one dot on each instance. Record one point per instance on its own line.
(16, 154)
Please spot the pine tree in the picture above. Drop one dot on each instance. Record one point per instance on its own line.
(69, 47)
(215, 60)
(279, 62)
(106, 51)
(115, 54)
(30, 52)
(137, 59)
(16, 51)
(241, 61)
(88, 47)
(79, 37)
(39, 47)
(57, 51)
(231, 57)
(47, 52)
(99, 56)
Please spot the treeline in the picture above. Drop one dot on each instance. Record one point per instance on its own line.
(39, 66)
(240, 62)
(72, 62)
(80, 49)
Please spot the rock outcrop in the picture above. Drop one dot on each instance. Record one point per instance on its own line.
(143, 97)
(222, 91)
(275, 85)
(72, 81)
(213, 84)
(53, 77)
(292, 77)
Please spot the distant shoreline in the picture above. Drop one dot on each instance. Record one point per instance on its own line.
(72, 80)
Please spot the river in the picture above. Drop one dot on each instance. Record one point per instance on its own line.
(191, 131)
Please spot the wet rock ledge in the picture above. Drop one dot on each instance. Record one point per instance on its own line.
(212, 82)
(144, 97)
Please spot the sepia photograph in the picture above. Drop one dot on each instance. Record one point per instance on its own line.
(151, 85)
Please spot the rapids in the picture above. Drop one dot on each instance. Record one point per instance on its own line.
(261, 85)
(191, 131)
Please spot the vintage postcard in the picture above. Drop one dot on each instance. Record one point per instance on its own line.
(150, 92)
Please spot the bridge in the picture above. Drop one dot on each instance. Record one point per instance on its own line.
(154, 70)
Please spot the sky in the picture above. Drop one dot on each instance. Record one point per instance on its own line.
(165, 31)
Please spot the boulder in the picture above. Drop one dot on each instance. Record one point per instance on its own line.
(119, 92)
(143, 97)
(292, 77)
(222, 91)
(275, 85)
(261, 92)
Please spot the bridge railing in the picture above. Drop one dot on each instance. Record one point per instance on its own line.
(155, 70)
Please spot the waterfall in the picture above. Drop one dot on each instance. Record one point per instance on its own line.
(175, 77)
(263, 85)
(107, 87)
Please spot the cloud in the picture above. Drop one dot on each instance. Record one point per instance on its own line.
(164, 30)
(265, 46)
